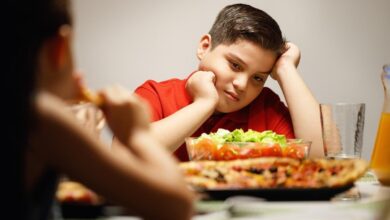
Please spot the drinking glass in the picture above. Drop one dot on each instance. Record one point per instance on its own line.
(342, 129)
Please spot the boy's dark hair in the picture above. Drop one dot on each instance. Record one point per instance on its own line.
(244, 22)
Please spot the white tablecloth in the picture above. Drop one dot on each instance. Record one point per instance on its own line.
(374, 198)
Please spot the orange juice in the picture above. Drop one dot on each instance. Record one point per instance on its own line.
(380, 159)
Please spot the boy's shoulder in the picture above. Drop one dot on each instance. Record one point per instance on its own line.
(167, 83)
(170, 86)
(171, 92)
(164, 83)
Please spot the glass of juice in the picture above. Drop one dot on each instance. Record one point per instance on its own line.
(380, 158)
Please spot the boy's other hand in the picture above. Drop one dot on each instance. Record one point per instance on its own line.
(201, 85)
(125, 112)
(289, 58)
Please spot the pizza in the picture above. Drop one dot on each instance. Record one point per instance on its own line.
(90, 96)
(75, 192)
(272, 172)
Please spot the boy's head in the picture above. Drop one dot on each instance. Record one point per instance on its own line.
(241, 50)
(244, 22)
(46, 37)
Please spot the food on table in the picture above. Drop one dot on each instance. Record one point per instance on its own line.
(272, 172)
(74, 192)
(226, 145)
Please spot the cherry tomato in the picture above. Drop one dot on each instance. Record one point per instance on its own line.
(204, 149)
(294, 151)
(268, 150)
(228, 152)
(251, 150)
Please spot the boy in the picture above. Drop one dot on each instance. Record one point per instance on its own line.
(244, 46)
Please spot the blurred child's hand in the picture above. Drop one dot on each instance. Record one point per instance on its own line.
(289, 58)
(124, 112)
(201, 85)
(89, 116)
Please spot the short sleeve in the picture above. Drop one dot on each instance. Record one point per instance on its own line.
(146, 92)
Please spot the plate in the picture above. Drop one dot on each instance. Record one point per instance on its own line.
(78, 210)
(278, 194)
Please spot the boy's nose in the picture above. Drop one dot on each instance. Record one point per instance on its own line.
(240, 82)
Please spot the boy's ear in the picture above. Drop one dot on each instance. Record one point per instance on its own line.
(204, 46)
(60, 48)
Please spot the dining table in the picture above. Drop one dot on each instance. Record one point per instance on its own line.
(367, 199)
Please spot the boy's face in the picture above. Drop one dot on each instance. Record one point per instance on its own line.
(241, 70)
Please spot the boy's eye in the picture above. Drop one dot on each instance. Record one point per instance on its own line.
(259, 79)
(235, 66)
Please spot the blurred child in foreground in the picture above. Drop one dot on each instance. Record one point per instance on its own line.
(45, 139)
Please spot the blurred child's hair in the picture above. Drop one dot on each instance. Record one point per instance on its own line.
(29, 25)
(34, 22)
(244, 22)
(43, 19)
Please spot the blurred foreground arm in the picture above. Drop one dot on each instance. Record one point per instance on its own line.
(128, 176)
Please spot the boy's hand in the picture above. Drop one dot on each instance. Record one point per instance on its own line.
(289, 58)
(201, 85)
(124, 112)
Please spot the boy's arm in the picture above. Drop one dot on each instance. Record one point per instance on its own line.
(172, 130)
(303, 106)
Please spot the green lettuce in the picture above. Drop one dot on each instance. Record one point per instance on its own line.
(239, 135)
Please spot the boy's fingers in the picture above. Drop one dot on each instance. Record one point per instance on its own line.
(213, 78)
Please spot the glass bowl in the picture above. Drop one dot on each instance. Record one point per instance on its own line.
(206, 149)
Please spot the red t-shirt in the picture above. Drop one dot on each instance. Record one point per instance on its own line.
(266, 112)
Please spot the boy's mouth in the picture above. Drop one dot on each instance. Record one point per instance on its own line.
(232, 96)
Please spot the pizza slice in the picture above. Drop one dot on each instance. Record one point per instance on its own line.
(272, 173)
(90, 96)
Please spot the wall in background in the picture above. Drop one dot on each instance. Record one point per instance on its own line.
(343, 43)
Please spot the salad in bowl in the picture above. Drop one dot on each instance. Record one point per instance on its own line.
(240, 144)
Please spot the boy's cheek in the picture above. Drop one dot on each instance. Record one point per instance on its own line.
(218, 86)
